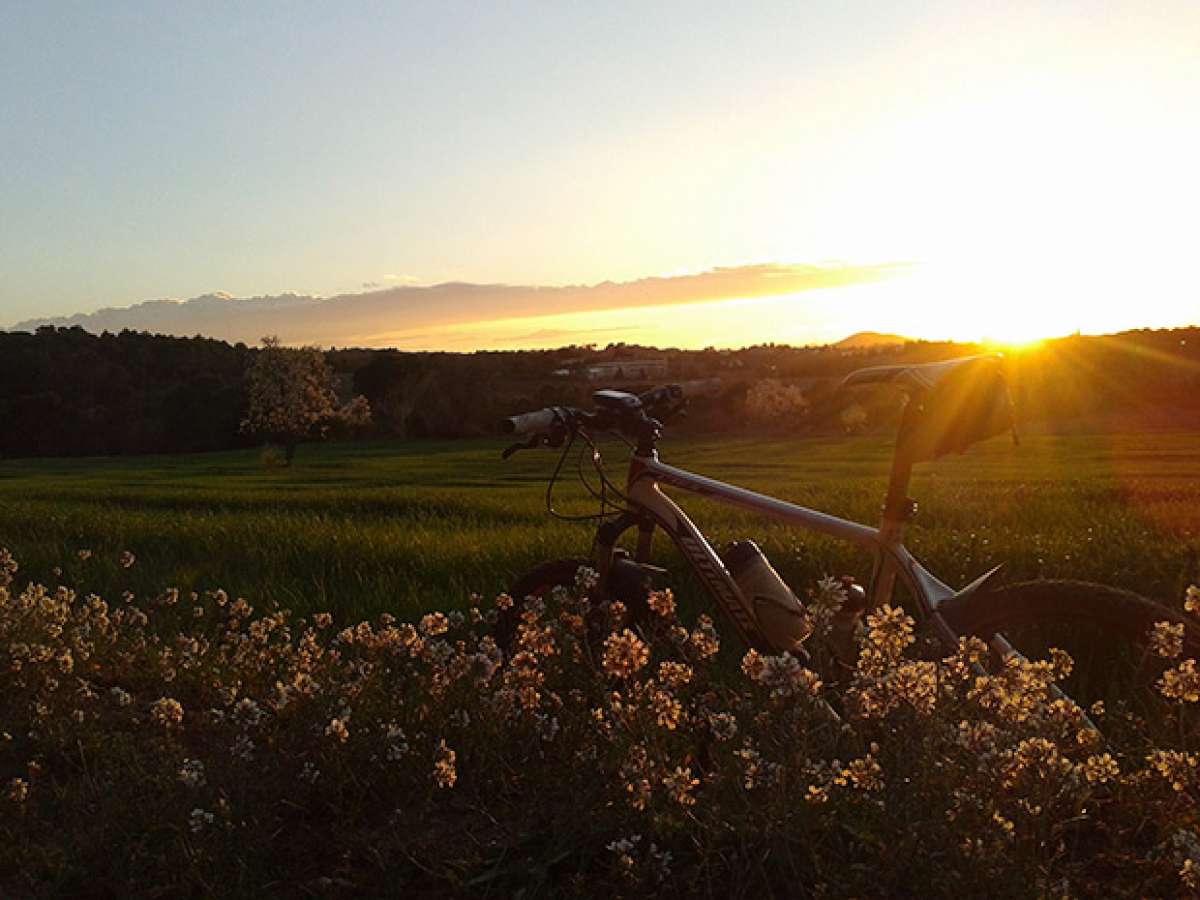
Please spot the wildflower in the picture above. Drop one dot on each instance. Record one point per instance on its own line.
(433, 624)
(126, 559)
(667, 710)
(915, 683)
(674, 674)
(167, 711)
(1039, 758)
(662, 603)
(548, 727)
(1191, 600)
(639, 790)
(18, 790)
(757, 769)
(1166, 639)
(322, 620)
(723, 725)
(816, 795)
(538, 641)
(1174, 766)
(1189, 874)
(192, 773)
(9, 567)
(337, 730)
(624, 654)
(1100, 769)
(660, 863)
(243, 748)
(864, 773)
(586, 578)
(503, 602)
(624, 849)
(624, 845)
(248, 712)
(704, 638)
(753, 664)
(889, 631)
(679, 785)
(1061, 663)
(825, 602)
(84, 555)
(444, 773)
(1181, 683)
(783, 674)
(1006, 825)
(199, 819)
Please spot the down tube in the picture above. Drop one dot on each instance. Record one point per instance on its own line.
(699, 553)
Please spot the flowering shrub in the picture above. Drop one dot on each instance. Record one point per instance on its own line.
(191, 745)
(291, 396)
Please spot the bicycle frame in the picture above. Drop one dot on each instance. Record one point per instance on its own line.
(654, 509)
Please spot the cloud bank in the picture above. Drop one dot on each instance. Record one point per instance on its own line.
(434, 317)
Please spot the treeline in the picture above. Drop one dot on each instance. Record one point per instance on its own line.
(64, 392)
(67, 392)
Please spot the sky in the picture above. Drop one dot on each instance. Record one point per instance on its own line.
(1029, 168)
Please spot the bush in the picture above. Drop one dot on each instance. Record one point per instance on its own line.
(186, 745)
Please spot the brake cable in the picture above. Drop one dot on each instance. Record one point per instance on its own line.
(606, 484)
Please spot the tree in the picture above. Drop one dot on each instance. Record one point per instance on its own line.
(291, 396)
(773, 402)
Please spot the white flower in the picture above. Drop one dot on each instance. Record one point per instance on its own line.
(192, 773)
(199, 820)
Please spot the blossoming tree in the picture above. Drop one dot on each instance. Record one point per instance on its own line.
(292, 398)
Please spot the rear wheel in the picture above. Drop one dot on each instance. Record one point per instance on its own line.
(1106, 631)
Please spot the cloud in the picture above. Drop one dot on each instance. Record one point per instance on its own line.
(437, 316)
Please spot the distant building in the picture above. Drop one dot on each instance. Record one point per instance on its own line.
(627, 370)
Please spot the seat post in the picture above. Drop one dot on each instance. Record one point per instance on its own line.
(898, 508)
(898, 511)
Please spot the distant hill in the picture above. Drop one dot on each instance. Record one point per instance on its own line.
(861, 339)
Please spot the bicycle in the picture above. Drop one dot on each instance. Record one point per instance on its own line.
(951, 405)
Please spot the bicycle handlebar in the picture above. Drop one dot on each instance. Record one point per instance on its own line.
(543, 420)
(530, 423)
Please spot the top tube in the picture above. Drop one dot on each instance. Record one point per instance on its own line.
(834, 526)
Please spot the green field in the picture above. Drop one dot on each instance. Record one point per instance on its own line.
(358, 529)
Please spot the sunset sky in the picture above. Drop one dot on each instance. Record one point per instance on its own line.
(1021, 169)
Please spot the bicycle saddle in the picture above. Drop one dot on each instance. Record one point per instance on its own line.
(915, 377)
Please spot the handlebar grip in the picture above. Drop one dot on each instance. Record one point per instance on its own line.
(529, 423)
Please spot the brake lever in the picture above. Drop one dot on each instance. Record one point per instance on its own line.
(532, 444)
(554, 439)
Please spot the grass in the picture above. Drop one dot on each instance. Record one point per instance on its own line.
(359, 529)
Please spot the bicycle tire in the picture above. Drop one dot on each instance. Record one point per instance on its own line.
(1085, 613)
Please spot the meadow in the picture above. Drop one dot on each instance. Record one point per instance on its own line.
(360, 529)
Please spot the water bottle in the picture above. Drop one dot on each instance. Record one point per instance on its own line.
(780, 614)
